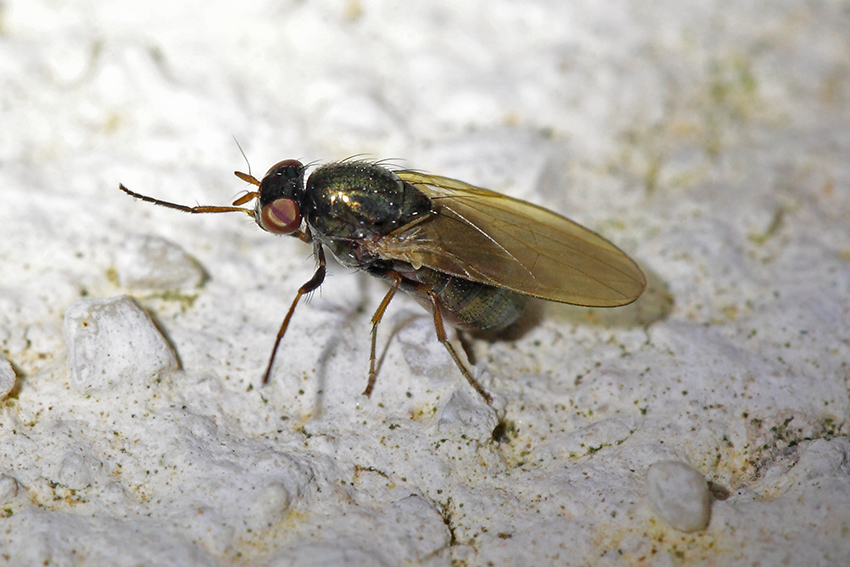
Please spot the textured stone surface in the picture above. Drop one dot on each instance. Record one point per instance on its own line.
(112, 340)
(679, 495)
(708, 140)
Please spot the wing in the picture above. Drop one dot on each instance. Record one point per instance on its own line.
(489, 238)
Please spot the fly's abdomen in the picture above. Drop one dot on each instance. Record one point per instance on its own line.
(469, 305)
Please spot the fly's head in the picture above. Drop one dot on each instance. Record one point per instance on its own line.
(278, 208)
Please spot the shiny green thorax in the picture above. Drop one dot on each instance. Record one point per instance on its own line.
(354, 200)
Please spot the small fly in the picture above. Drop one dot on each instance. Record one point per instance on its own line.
(471, 256)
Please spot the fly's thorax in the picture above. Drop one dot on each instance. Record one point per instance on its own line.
(360, 200)
(350, 253)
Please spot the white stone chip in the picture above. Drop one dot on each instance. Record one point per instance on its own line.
(679, 495)
(272, 504)
(7, 377)
(75, 472)
(113, 340)
(467, 415)
(8, 488)
(147, 262)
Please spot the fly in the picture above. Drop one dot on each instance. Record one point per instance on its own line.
(471, 256)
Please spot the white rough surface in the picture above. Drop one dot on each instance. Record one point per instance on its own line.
(7, 378)
(709, 140)
(679, 495)
(112, 340)
(145, 262)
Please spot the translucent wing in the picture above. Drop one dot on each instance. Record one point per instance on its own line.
(489, 238)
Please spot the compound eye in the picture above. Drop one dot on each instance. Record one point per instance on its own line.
(281, 216)
(287, 168)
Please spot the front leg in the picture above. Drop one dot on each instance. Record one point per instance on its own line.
(311, 285)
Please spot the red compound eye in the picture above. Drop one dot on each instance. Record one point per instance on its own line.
(281, 216)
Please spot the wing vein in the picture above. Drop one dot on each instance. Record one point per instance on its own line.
(484, 233)
(494, 239)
